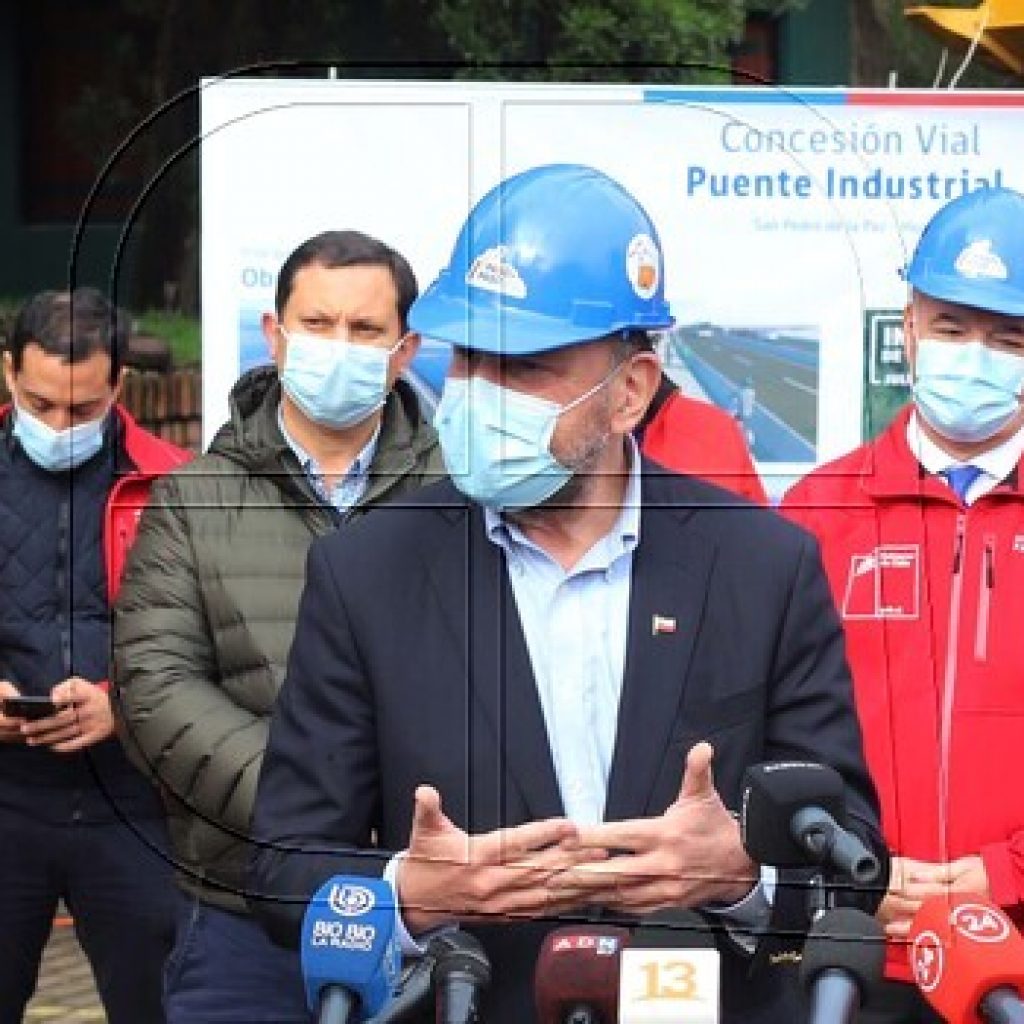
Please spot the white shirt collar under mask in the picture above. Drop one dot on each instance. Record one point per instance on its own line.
(335, 382)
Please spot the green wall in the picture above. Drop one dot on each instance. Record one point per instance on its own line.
(814, 44)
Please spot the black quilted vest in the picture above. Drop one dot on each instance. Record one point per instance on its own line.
(55, 623)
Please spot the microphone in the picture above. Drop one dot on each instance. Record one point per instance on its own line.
(349, 955)
(461, 976)
(842, 962)
(415, 989)
(794, 812)
(968, 960)
(670, 971)
(576, 980)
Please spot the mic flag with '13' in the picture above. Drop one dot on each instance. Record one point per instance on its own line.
(670, 972)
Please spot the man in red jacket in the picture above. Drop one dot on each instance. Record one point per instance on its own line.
(77, 822)
(923, 536)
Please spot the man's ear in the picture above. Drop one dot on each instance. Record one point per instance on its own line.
(119, 383)
(404, 356)
(271, 328)
(637, 384)
(9, 373)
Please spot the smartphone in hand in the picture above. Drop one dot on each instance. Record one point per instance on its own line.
(31, 708)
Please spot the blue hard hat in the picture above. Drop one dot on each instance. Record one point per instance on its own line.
(554, 256)
(972, 252)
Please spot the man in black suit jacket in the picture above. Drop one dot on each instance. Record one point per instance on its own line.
(416, 715)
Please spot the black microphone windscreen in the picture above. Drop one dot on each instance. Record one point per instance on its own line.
(772, 794)
(848, 940)
(461, 952)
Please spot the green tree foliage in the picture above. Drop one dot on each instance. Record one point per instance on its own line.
(593, 40)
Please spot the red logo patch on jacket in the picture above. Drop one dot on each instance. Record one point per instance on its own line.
(884, 583)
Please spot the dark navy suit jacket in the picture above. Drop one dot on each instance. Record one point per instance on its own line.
(409, 666)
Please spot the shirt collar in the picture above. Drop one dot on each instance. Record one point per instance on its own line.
(360, 465)
(622, 538)
(998, 462)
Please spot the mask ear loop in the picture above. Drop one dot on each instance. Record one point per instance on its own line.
(606, 379)
(398, 344)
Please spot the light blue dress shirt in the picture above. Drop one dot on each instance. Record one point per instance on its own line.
(348, 489)
(576, 626)
(575, 623)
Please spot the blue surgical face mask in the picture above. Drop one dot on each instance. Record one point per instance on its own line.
(495, 442)
(335, 383)
(57, 451)
(965, 390)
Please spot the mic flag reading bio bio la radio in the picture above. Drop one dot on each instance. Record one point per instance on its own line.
(793, 814)
(968, 960)
(842, 964)
(349, 955)
(670, 971)
(576, 980)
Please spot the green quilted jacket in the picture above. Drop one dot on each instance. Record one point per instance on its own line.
(206, 612)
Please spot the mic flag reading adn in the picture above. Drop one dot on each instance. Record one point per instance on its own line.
(968, 960)
(576, 980)
(350, 958)
(670, 972)
(793, 814)
(841, 964)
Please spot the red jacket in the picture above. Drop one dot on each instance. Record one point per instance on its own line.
(698, 438)
(151, 457)
(932, 599)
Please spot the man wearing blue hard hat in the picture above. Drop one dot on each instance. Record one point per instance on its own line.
(922, 532)
(507, 695)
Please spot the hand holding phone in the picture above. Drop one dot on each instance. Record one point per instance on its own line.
(84, 716)
(10, 728)
(29, 707)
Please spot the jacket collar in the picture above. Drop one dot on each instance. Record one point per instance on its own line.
(252, 437)
(890, 470)
(672, 570)
(147, 453)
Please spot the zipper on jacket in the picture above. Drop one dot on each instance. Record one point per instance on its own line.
(949, 680)
(986, 585)
(63, 588)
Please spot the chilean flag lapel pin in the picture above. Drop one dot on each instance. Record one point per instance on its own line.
(662, 625)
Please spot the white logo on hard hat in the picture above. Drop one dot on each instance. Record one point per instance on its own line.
(978, 260)
(492, 272)
(643, 265)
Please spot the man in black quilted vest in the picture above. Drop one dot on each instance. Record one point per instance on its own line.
(77, 821)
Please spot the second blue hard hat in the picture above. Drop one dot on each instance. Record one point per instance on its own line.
(557, 255)
(972, 252)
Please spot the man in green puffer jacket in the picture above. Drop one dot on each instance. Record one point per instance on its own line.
(207, 607)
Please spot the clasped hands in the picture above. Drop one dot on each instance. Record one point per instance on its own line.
(911, 882)
(689, 856)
